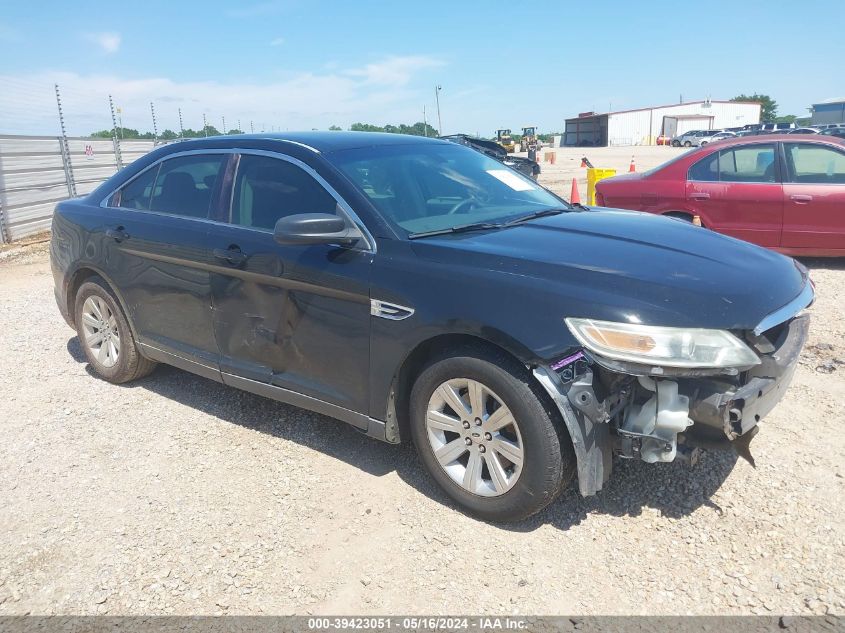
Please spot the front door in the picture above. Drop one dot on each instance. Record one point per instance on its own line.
(737, 191)
(814, 196)
(293, 316)
(155, 244)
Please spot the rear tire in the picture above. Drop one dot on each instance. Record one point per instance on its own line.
(497, 473)
(105, 335)
(687, 144)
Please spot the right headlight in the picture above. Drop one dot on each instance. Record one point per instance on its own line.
(662, 346)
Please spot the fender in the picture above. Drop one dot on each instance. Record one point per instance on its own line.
(70, 277)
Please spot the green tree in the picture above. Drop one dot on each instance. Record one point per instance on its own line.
(122, 132)
(335, 128)
(768, 109)
(417, 129)
(365, 127)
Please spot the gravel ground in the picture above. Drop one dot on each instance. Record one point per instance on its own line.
(176, 495)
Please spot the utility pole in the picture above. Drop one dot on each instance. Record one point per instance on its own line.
(155, 127)
(204, 125)
(181, 127)
(224, 125)
(425, 123)
(437, 90)
(240, 129)
(251, 127)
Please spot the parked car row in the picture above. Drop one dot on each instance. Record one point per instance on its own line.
(784, 191)
(698, 138)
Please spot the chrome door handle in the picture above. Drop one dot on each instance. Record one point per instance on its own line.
(232, 255)
(801, 198)
(699, 195)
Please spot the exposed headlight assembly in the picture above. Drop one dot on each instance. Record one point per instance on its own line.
(662, 346)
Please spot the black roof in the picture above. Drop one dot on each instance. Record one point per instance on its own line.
(322, 141)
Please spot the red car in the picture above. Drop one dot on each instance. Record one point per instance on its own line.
(785, 192)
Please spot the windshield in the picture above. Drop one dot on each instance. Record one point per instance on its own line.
(423, 187)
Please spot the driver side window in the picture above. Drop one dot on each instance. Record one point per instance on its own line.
(267, 189)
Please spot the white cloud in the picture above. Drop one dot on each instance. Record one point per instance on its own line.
(277, 41)
(381, 92)
(109, 42)
(395, 71)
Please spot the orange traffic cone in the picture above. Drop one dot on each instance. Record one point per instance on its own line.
(633, 166)
(574, 196)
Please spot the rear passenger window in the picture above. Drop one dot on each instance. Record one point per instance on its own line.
(184, 185)
(814, 164)
(752, 163)
(267, 189)
(137, 194)
(705, 170)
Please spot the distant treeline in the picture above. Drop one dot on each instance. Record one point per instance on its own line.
(417, 129)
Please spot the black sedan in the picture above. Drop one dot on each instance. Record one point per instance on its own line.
(420, 290)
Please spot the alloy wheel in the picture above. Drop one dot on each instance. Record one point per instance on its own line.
(475, 437)
(99, 331)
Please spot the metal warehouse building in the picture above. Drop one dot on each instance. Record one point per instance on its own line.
(830, 111)
(643, 126)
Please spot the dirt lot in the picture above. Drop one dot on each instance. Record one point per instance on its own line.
(558, 177)
(178, 495)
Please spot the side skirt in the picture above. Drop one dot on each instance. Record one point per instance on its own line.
(369, 426)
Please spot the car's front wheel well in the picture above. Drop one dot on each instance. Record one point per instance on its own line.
(437, 348)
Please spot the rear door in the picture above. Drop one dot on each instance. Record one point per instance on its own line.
(814, 196)
(156, 254)
(737, 191)
(292, 316)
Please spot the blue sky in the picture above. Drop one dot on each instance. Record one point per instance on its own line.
(297, 64)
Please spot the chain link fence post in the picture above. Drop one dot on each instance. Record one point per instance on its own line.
(118, 158)
(5, 238)
(65, 148)
(155, 125)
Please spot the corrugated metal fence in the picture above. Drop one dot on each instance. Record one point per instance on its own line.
(36, 172)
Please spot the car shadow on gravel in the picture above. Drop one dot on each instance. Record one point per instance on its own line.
(823, 263)
(673, 489)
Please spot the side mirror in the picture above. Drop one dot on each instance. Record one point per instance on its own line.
(315, 228)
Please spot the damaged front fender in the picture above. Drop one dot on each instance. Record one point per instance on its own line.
(662, 416)
(590, 437)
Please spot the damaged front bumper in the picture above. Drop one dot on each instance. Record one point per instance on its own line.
(659, 414)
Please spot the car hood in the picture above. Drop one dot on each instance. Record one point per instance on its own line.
(629, 266)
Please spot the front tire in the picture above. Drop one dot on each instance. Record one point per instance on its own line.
(687, 144)
(488, 436)
(105, 335)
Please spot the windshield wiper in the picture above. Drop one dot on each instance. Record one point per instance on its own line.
(537, 214)
(461, 228)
